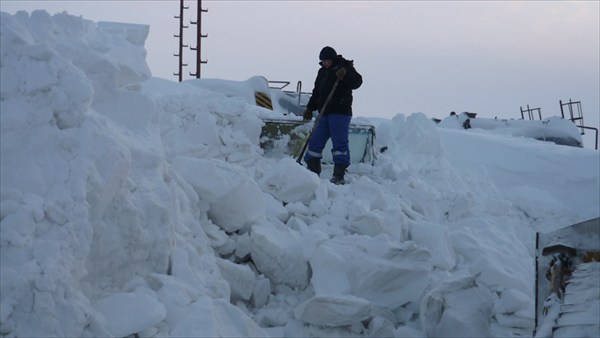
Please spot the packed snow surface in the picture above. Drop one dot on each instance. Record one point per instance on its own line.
(131, 204)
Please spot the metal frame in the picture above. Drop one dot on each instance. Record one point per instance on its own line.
(199, 37)
(530, 112)
(578, 120)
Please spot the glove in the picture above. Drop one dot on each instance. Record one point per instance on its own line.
(307, 115)
(341, 73)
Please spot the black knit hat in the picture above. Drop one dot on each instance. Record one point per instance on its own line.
(327, 53)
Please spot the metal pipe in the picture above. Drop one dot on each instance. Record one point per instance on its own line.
(594, 129)
(199, 37)
(299, 90)
(181, 40)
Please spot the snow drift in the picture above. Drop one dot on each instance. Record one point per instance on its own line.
(139, 205)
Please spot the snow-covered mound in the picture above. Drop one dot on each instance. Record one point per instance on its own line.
(553, 129)
(139, 205)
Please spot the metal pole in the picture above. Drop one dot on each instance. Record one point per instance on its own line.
(299, 90)
(536, 288)
(580, 115)
(199, 37)
(180, 40)
(522, 116)
(571, 111)
(562, 112)
(181, 45)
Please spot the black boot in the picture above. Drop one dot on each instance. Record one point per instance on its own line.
(339, 170)
(314, 165)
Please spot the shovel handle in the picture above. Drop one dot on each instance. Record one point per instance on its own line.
(335, 84)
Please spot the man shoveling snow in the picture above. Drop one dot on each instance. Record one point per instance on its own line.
(332, 96)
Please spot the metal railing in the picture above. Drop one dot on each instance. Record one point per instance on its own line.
(576, 116)
(530, 112)
(299, 93)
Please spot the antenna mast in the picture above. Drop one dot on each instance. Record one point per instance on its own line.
(180, 36)
(199, 37)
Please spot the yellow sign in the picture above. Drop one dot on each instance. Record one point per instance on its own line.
(263, 100)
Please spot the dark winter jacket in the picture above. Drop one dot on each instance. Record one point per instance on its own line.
(341, 101)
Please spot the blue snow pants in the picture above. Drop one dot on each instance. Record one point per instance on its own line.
(334, 126)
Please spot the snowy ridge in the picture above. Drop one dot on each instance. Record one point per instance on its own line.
(138, 205)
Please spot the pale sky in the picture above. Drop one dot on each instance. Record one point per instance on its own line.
(434, 57)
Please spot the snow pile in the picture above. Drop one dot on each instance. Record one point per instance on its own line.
(96, 223)
(136, 205)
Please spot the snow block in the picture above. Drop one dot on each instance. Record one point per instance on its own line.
(242, 245)
(486, 247)
(511, 301)
(380, 327)
(210, 178)
(332, 311)
(239, 207)
(181, 267)
(209, 317)
(384, 273)
(408, 332)
(289, 182)
(190, 137)
(415, 134)
(262, 290)
(437, 239)
(277, 252)
(275, 208)
(235, 199)
(241, 279)
(250, 126)
(136, 34)
(458, 308)
(217, 237)
(129, 313)
(176, 295)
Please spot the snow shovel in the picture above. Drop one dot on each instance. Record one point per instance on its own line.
(335, 84)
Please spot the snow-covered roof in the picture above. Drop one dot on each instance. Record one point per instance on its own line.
(553, 129)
